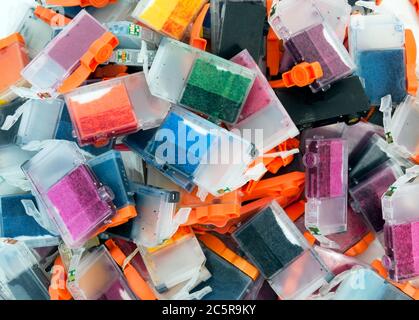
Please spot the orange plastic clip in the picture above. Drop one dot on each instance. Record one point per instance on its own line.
(273, 45)
(99, 52)
(416, 4)
(361, 246)
(406, 287)
(51, 17)
(274, 164)
(301, 75)
(121, 216)
(216, 245)
(195, 40)
(81, 3)
(138, 285)
(410, 45)
(284, 199)
(287, 185)
(13, 38)
(58, 287)
(214, 210)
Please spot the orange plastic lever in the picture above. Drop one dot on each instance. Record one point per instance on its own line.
(301, 75)
(13, 38)
(216, 245)
(81, 3)
(361, 246)
(410, 45)
(273, 45)
(121, 216)
(195, 40)
(135, 281)
(58, 288)
(51, 17)
(416, 4)
(214, 210)
(99, 52)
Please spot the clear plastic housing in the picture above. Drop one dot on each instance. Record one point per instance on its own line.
(75, 200)
(366, 195)
(200, 81)
(21, 278)
(263, 111)
(376, 44)
(309, 38)
(399, 204)
(281, 253)
(154, 223)
(36, 32)
(403, 126)
(176, 262)
(112, 108)
(98, 277)
(170, 18)
(40, 120)
(326, 162)
(62, 55)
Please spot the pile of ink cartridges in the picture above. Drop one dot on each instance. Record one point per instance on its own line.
(214, 150)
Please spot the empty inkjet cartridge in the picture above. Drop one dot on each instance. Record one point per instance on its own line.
(113, 108)
(281, 253)
(40, 120)
(178, 260)
(326, 162)
(308, 38)
(36, 32)
(71, 56)
(157, 219)
(263, 111)
(21, 277)
(200, 81)
(212, 158)
(376, 44)
(75, 200)
(171, 18)
(13, 58)
(98, 277)
(401, 230)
